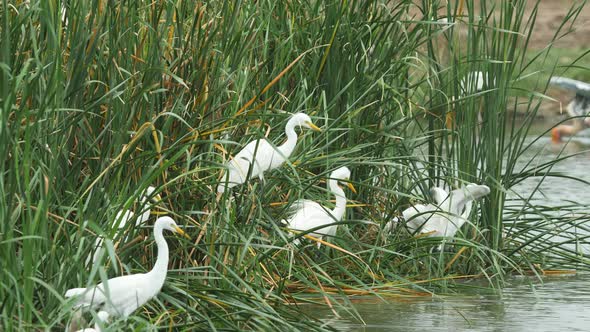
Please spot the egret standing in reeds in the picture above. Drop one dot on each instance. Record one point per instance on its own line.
(122, 218)
(474, 82)
(262, 156)
(123, 295)
(309, 214)
(579, 107)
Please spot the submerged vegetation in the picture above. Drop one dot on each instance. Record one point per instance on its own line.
(101, 99)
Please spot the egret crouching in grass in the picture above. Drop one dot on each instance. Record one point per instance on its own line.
(121, 220)
(262, 156)
(310, 215)
(445, 218)
(102, 318)
(122, 295)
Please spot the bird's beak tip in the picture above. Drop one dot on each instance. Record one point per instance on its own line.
(313, 127)
(351, 187)
(181, 232)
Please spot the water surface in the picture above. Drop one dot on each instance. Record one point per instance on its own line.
(553, 304)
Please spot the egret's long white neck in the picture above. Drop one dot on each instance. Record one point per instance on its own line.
(458, 204)
(145, 216)
(161, 266)
(455, 203)
(287, 148)
(338, 211)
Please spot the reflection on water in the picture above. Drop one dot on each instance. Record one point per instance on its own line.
(557, 304)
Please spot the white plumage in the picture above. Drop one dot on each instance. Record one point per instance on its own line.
(439, 194)
(262, 156)
(445, 218)
(123, 295)
(309, 214)
(474, 82)
(121, 219)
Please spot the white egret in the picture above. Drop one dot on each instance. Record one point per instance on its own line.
(450, 214)
(473, 82)
(102, 317)
(122, 295)
(578, 107)
(122, 218)
(309, 214)
(440, 195)
(262, 156)
(418, 211)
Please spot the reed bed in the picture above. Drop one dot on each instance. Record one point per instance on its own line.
(101, 99)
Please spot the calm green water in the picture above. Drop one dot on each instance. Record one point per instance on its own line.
(525, 304)
(553, 304)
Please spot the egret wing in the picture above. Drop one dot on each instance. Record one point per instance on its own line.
(130, 292)
(259, 153)
(255, 154)
(576, 86)
(310, 214)
(416, 216)
(121, 295)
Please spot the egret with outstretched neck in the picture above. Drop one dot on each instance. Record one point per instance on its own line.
(121, 296)
(260, 156)
(309, 214)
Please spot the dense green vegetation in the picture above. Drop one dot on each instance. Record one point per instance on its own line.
(100, 99)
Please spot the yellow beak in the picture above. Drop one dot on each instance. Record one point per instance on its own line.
(351, 187)
(312, 126)
(181, 232)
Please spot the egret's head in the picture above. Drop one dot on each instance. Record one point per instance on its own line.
(303, 120)
(476, 191)
(150, 191)
(103, 316)
(342, 174)
(168, 223)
